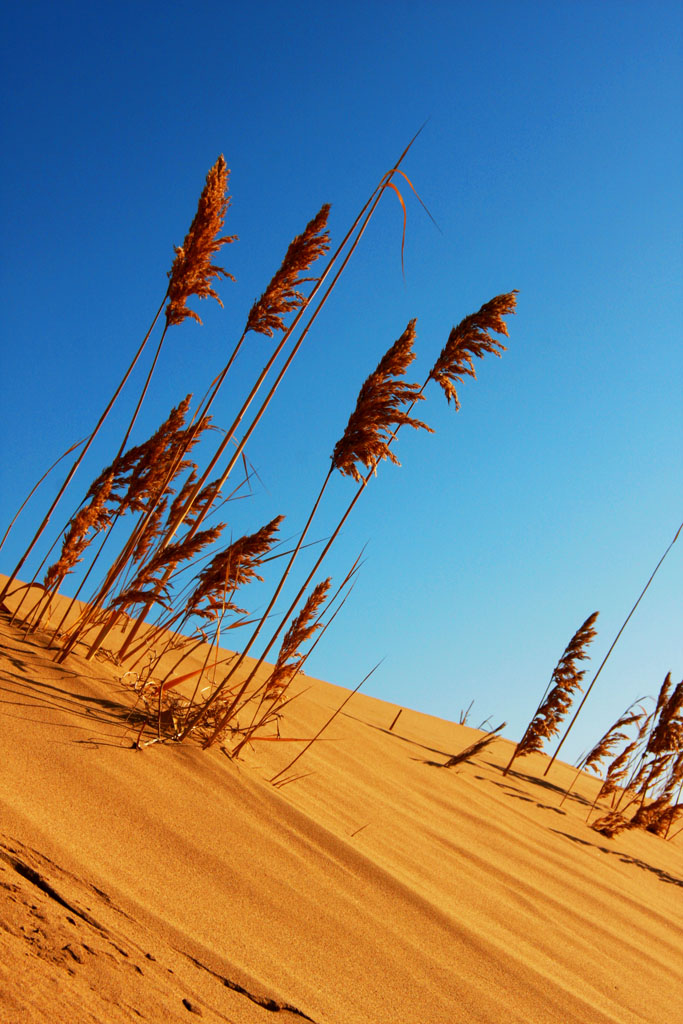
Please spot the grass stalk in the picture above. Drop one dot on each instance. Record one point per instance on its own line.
(327, 723)
(82, 454)
(35, 488)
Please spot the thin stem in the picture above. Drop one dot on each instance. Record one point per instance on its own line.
(36, 486)
(143, 392)
(329, 720)
(80, 458)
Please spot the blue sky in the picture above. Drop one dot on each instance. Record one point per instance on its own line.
(551, 161)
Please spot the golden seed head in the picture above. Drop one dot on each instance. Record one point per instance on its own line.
(378, 412)
(192, 271)
(282, 295)
(469, 340)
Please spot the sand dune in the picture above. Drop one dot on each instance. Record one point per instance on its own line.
(171, 883)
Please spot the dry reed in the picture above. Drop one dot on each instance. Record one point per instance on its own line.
(378, 412)
(141, 480)
(470, 340)
(192, 271)
(229, 570)
(94, 517)
(647, 771)
(282, 294)
(566, 678)
(303, 627)
(611, 648)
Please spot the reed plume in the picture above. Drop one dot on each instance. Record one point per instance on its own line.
(282, 296)
(229, 570)
(566, 678)
(664, 746)
(151, 533)
(611, 824)
(667, 735)
(192, 271)
(658, 816)
(469, 340)
(302, 629)
(202, 503)
(378, 411)
(94, 517)
(289, 662)
(611, 648)
(619, 770)
(606, 744)
(139, 475)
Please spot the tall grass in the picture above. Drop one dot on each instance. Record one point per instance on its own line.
(174, 582)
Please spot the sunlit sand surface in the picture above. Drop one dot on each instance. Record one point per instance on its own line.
(376, 887)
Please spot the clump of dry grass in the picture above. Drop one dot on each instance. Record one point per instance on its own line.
(611, 648)
(141, 483)
(644, 776)
(366, 439)
(565, 680)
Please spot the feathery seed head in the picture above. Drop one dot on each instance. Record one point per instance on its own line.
(302, 628)
(94, 516)
(566, 678)
(192, 271)
(281, 296)
(231, 569)
(472, 339)
(378, 413)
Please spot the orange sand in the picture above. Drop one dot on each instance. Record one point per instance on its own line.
(170, 883)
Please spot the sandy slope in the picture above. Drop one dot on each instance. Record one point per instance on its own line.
(169, 883)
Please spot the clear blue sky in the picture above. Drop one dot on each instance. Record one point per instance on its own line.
(552, 163)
